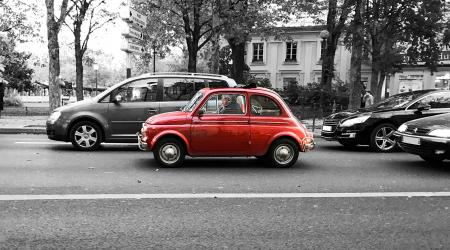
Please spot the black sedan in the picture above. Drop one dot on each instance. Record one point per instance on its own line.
(376, 125)
(427, 137)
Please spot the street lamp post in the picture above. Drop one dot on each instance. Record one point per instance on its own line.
(153, 39)
(154, 56)
(96, 80)
(324, 34)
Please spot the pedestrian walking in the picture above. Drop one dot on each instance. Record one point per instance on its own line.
(368, 99)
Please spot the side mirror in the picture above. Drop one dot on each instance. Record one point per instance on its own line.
(423, 107)
(201, 112)
(117, 99)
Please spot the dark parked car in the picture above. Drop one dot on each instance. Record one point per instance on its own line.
(427, 137)
(375, 126)
(117, 114)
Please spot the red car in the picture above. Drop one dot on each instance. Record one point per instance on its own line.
(227, 122)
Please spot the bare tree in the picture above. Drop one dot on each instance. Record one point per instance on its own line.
(92, 13)
(335, 26)
(53, 28)
(356, 58)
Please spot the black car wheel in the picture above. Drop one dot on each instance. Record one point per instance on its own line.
(283, 153)
(382, 138)
(432, 159)
(86, 135)
(169, 152)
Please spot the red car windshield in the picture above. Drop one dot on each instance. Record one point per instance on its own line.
(193, 102)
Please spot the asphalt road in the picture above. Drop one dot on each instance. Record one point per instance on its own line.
(31, 165)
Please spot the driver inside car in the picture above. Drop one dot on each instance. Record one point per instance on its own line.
(228, 106)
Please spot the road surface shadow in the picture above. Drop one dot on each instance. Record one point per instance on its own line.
(220, 163)
(422, 167)
(103, 148)
(340, 148)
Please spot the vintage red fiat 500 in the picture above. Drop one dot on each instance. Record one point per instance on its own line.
(227, 122)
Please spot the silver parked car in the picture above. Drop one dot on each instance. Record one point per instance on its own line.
(117, 114)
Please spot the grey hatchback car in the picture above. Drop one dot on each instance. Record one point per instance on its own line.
(117, 114)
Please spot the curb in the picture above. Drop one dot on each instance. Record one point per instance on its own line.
(38, 131)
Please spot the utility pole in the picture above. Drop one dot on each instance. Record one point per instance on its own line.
(154, 56)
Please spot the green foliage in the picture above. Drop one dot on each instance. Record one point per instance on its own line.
(225, 67)
(260, 82)
(309, 94)
(395, 30)
(15, 19)
(16, 72)
(12, 101)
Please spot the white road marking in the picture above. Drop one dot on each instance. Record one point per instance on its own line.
(54, 142)
(38, 142)
(219, 195)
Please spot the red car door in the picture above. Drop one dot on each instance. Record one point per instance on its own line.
(267, 119)
(221, 131)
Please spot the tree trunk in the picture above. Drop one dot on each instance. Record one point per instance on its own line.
(192, 63)
(78, 64)
(379, 89)
(237, 54)
(53, 28)
(215, 50)
(54, 89)
(2, 94)
(374, 80)
(356, 58)
(328, 58)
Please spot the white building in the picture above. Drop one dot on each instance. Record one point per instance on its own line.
(298, 58)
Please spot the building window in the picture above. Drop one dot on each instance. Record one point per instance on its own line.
(258, 50)
(291, 51)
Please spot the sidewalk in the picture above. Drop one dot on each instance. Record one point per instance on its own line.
(36, 125)
(22, 124)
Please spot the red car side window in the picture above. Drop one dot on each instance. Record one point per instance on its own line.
(264, 106)
(225, 103)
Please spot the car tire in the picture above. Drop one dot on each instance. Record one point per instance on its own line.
(169, 152)
(432, 159)
(283, 153)
(382, 138)
(86, 136)
(347, 143)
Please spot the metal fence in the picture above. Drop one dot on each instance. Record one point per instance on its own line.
(25, 111)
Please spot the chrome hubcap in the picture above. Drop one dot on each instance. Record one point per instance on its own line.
(86, 136)
(284, 154)
(169, 153)
(384, 139)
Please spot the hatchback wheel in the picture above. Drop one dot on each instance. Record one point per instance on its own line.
(283, 153)
(382, 138)
(86, 135)
(169, 152)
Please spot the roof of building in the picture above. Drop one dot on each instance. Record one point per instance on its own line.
(303, 28)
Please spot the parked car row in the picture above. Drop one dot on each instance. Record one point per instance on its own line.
(216, 118)
(418, 122)
(179, 114)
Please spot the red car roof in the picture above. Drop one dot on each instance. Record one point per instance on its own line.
(250, 90)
